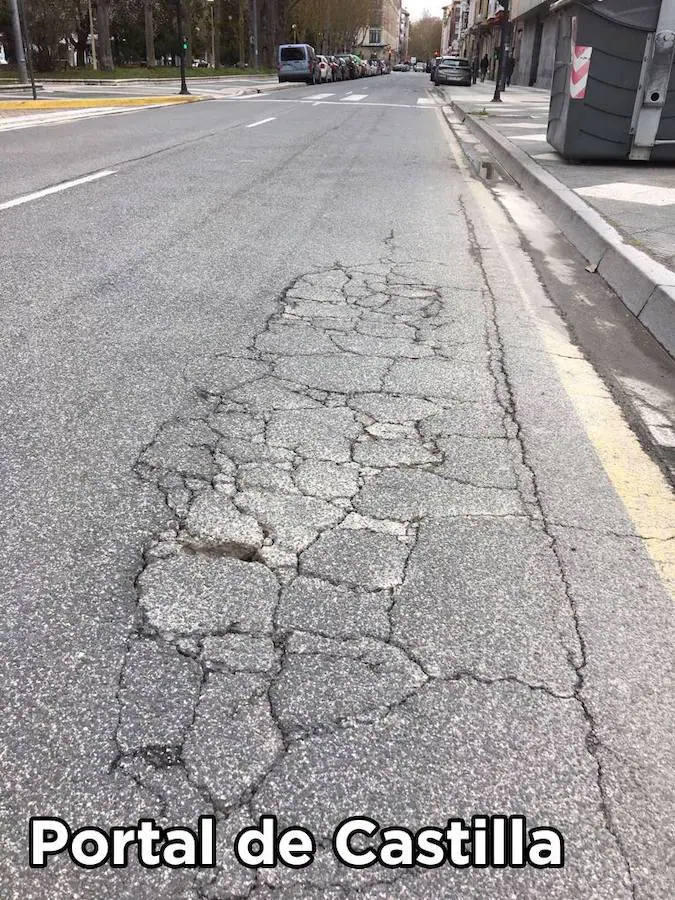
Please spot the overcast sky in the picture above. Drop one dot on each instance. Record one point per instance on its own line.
(417, 7)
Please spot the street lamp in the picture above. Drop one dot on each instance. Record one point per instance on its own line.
(295, 33)
(213, 34)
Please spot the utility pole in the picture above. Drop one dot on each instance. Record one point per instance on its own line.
(94, 63)
(18, 43)
(183, 47)
(503, 50)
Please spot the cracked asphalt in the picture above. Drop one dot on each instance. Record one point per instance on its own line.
(301, 520)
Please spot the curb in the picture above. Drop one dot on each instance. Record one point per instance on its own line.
(193, 79)
(86, 103)
(16, 86)
(270, 87)
(645, 286)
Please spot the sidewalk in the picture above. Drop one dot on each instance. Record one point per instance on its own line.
(621, 216)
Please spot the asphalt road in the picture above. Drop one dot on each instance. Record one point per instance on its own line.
(312, 509)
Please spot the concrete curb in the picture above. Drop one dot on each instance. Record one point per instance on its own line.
(86, 103)
(15, 86)
(645, 286)
(271, 87)
(193, 79)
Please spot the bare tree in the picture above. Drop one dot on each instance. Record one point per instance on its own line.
(425, 37)
(148, 10)
(103, 27)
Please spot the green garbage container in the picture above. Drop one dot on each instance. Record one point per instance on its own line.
(613, 92)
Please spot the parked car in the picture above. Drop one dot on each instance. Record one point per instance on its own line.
(325, 69)
(419, 67)
(298, 62)
(401, 67)
(352, 66)
(453, 70)
(337, 68)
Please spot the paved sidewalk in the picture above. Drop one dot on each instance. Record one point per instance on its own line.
(635, 201)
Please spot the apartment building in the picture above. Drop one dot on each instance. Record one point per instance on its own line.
(532, 37)
(384, 37)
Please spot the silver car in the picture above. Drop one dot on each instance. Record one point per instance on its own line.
(452, 70)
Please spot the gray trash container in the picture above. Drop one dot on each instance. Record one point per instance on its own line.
(613, 92)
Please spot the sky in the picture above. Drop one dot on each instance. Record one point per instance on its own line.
(417, 7)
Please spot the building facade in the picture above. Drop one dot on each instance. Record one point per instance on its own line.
(385, 37)
(455, 24)
(532, 38)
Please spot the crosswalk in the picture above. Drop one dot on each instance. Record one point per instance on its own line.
(359, 98)
(59, 117)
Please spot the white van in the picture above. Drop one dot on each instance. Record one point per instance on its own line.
(298, 62)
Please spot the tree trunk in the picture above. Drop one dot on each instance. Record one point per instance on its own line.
(217, 20)
(103, 27)
(187, 28)
(242, 32)
(150, 60)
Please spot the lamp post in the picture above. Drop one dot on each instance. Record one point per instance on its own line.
(183, 47)
(503, 50)
(213, 34)
(295, 33)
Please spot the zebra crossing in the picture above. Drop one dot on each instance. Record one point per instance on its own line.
(359, 98)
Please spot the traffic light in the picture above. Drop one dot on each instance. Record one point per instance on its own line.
(184, 44)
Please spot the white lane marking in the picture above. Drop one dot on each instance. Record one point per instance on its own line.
(426, 101)
(328, 103)
(353, 97)
(56, 188)
(62, 117)
(528, 137)
(320, 96)
(628, 192)
(520, 124)
(261, 122)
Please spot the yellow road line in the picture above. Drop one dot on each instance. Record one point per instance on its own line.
(89, 103)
